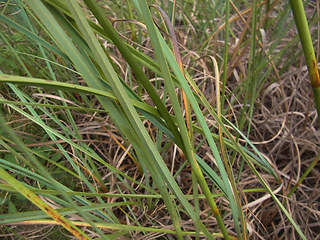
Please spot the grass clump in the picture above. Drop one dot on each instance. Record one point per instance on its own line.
(162, 120)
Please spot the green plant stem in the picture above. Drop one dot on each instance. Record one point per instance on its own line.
(225, 55)
(305, 174)
(180, 120)
(307, 45)
(135, 65)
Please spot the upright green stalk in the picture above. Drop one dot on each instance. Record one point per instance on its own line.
(306, 42)
(190, 155)
(135, 66)
(225, 55)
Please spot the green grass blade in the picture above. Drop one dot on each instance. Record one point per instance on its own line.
(34, 215)
(307, 45)
(154, 35)
(117, 87)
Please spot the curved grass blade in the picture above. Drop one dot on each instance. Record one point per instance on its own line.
(114, 226)
(42, 205)
(32, 36)
(34, 215)
(171, 60)
(135, 66)
(154, 36)
(133, 118)
(73, 88)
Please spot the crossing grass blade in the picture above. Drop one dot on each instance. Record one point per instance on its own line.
(89, 76)
(155, 39)
(42, 205)
(69, 77)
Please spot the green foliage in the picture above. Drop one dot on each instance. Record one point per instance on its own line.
(87, 133)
